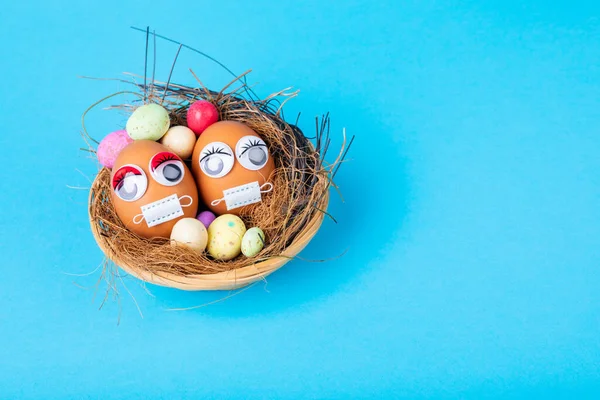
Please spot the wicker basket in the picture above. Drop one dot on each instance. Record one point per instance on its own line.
(227, 280)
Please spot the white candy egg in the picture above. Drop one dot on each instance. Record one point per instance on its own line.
(180, 140)
(191, 233)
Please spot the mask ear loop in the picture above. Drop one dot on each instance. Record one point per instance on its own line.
(186, 196)
(266, 187)
(136, 221)
(216, 202)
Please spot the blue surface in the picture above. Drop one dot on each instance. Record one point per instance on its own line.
(471, 208)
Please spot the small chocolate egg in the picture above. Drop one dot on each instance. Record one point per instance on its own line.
(225, 237)
(189, 232)
(253, 242)
(148, 122)
(206, 217)
(110, 147)
(180, 140)
(201, 115)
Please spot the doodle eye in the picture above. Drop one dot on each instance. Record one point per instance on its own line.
(216, 159)
(252, 152)
(129, 182)
(166, 168)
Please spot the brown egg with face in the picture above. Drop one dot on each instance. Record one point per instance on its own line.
(152, 189)
(232, 167)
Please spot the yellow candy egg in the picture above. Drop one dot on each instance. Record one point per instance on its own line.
(191, 233)
(225, 237)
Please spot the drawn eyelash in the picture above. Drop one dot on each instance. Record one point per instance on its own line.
(160, 158)
(123, 172)
(251, 144)
(218, 150)
(118, 179)
(166, 157)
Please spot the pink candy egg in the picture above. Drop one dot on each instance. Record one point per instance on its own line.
(201, 115)
(206, 217)
(110, 147)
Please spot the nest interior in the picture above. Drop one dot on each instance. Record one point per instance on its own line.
(301, 180)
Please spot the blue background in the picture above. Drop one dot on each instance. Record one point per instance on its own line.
(471, 212)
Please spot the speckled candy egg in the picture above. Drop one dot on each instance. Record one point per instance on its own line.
(148, 122)
(110, 147)
(225, 237)
(253, 242)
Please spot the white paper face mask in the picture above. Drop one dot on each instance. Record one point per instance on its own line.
(243, 195)
(163, 210)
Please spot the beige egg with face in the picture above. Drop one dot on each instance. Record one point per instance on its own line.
(152, 189)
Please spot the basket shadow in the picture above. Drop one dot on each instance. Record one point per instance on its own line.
(369, 187)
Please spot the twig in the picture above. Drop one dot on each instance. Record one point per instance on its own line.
(94, 105)
(170, 73)
(154, 62)
(250, 91)
(146, 63)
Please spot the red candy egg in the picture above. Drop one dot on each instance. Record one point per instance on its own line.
(201, 115)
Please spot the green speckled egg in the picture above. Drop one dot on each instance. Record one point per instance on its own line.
(253, 242)
(148, 122)
(225, 237)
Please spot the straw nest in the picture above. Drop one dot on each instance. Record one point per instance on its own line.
(289, 216)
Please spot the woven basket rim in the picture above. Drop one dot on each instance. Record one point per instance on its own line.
(226, 280)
